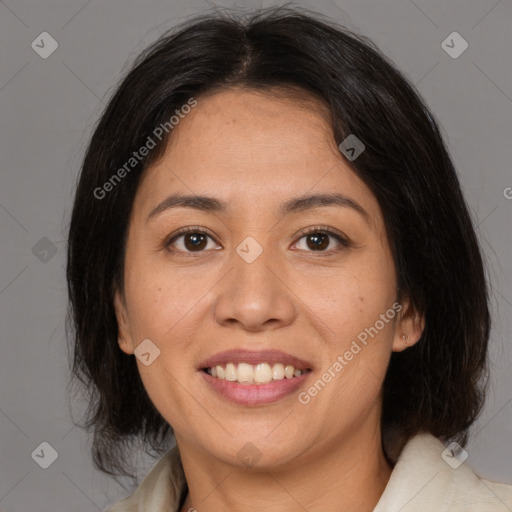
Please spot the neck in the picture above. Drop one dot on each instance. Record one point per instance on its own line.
(346, 475)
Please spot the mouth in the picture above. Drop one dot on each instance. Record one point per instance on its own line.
(254, 377)
(249, 374)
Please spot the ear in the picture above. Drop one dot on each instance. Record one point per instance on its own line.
(408, 328)
(124, 339)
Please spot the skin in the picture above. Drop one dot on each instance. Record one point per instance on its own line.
(255, 151)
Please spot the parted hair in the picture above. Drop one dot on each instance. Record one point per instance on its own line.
(438, 385)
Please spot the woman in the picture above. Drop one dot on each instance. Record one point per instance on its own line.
(271, 260)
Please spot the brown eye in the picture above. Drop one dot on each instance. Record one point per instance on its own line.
(321, 240)
(317, 241)
(191, 240)
(195, 241)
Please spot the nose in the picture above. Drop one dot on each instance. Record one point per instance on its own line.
(255, 296)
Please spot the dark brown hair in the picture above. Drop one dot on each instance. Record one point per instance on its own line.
(438, 384)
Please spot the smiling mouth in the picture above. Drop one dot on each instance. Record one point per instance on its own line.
(262, 373)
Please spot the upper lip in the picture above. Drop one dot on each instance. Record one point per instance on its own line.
(270, 356)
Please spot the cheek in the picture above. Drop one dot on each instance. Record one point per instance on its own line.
(164, 300)
(165, 307)
(352, 297)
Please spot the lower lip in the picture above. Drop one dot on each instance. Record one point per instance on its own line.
(255, 394)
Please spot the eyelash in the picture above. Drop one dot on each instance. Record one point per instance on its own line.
(343, 241)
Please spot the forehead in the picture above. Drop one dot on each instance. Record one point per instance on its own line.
(256, 148)
(251, 126)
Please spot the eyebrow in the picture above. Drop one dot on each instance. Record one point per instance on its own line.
(297, 204)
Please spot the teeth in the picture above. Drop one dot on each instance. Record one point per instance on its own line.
(231, 373)
(245, 373)
(278, 371)
(288, 372)
(262, 373)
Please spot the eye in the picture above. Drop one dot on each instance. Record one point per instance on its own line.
(321, 239)
(191, 239)
(316, 239)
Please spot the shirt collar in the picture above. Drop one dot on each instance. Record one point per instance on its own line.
(421, 480)
(419, 471)
(160, 490)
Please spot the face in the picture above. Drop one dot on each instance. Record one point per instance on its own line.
(261, 269)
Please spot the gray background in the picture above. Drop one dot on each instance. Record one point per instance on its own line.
(48, 107)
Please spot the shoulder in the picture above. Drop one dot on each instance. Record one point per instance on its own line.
(424, 478)
(501, 491)
(430, 477)
(161, 489)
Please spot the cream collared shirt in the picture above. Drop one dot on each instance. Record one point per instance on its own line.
(421, 481)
